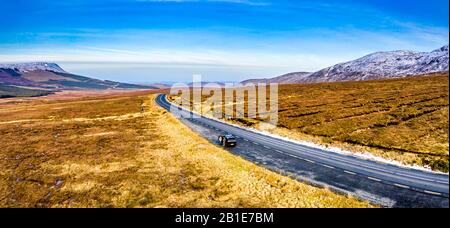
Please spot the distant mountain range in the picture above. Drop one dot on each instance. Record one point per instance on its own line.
(50, 76)
(38, 78)
(380, 65)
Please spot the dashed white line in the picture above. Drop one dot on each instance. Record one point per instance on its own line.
(374, 179)
(310, 161)
(402, 186)
(348, 172)
(432, 193)
(267, 147)
(290, 155)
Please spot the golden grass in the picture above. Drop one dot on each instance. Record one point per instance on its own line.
(105, 152)
(401, 119)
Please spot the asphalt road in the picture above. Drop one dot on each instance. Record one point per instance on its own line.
(381, 183)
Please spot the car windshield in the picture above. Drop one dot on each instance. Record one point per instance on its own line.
(230, 137)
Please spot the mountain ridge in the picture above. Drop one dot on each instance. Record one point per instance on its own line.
(33, 66)
(378, 65)
(50, 76)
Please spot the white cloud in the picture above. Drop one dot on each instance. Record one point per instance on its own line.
(245, 2)
(204, 58)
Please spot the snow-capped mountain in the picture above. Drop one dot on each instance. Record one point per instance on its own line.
(385, 65)
(34, 66)
(379, 65)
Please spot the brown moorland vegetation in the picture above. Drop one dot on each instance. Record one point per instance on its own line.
(124, 151)
(400, 119)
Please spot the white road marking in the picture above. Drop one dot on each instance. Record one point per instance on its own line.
(310, 161)
(371, 178)
(432, 193)
(374, 179)
(327, 166)
(267, 147)
(348, 172)
(402, 186)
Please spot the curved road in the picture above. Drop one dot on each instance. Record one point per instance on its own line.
(384, 177)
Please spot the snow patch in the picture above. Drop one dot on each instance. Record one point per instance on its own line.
(27, 67)
(360, 155)
(391, 64)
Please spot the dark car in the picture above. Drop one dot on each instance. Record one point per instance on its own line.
(227, 140)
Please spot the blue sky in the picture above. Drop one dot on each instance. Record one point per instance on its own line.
(169, 40)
